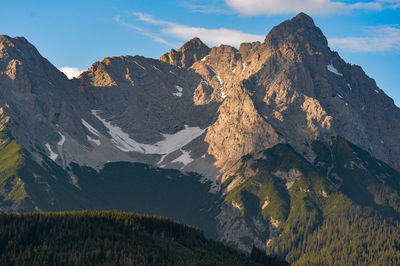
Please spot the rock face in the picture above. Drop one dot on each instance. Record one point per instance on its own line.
(301, 90)
(198, 109)
(289, 89)
(187, 55)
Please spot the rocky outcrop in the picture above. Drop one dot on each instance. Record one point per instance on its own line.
(187, 55)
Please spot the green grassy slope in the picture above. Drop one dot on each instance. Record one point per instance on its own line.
(344, 209)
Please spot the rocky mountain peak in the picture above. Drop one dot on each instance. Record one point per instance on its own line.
(303, 19)
(22, 68)
(194, 43)
(7, 42)
(192, 51)
(299, 30)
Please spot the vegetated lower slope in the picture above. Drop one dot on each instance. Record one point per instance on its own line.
(111, 238)
(342, 210)
(28, 186)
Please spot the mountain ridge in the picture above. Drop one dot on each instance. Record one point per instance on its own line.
(225, 114)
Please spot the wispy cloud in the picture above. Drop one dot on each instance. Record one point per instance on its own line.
(71, 72)
(378, 39)
(207, 7)
(274, 7)
(210, 36)
(143, 32)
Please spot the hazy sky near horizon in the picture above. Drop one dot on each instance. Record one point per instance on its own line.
(74, 34)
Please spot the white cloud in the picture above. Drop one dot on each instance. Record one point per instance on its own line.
(274, 7)
(143, 32)
(213, 37)
(71, 72)
(210, 7)
(378, 39)
(210, 36)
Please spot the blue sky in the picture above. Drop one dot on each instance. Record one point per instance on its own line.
(77, 33)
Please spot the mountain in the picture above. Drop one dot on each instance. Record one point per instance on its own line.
(111, 238)
(276, 144)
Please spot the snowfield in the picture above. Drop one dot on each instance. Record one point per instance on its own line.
(170, 143)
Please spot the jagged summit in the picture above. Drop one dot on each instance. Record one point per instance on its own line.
(195, 43)
(17, 48)
(11, 40)
(303, 19)
(300, 29)
(22, 67)
(189, 53)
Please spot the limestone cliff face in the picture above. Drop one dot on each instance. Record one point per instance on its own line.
(313, 89)
(39, 99)
(291, 88)
(239, 130)
(301, 89)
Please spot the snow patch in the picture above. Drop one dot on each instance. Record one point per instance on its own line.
(234, 70)
(120, 139)
(243, 67)
(376, 91)
(216, 74)
(61, 142)
(340, 96)
(349, 86)
(142, 67)
(170, 143)
(90, 128)
(204, 58)
(162, 159)
(184, 158)
(53, 156)
(179, 88)
(332, 69)
(156, 68)
(172, 73)
(95, 141)
(179, 93)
